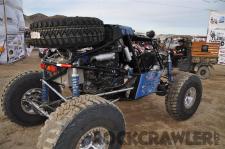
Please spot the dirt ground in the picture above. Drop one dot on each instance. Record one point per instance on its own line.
(147, 114)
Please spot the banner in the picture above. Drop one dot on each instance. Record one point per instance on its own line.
(3, 52)
(216, 33)
(12, 27)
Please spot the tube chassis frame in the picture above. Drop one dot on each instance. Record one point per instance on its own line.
(74, 65)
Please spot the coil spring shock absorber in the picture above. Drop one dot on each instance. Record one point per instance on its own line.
(45, 89)
(75, 83)
(170, 67)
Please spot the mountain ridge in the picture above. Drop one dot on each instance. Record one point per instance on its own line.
(37, 17)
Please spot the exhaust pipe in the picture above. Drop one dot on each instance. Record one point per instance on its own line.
(104, 57)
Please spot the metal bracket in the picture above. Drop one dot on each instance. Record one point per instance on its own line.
(39, 109)
(54, 90)
(114, 92)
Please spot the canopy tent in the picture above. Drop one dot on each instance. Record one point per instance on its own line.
(12, 27)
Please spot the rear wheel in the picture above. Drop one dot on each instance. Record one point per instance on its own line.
(184, 96)
(86, 122)
(203, 72)
(21, 89)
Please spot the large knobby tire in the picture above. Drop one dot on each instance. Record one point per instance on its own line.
(68, 32)
(178, 102)
(67, 125)
(203, 72)
(12, 96)
(66, 21)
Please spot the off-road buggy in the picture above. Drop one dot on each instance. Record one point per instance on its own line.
(100, 64)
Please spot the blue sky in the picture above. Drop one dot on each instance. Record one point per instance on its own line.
(163, 16)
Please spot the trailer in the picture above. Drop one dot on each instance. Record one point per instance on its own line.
(203, 56)
(200, 55)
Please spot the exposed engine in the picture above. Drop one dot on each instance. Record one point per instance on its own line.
(100, 81)
(101, 75)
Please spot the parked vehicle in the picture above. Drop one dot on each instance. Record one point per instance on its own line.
(199, 56)
(100, 64)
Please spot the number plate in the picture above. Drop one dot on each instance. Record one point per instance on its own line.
(35, 35)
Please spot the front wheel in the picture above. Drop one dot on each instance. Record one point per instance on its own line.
(184, 96)
(86, 122)
(17, 94)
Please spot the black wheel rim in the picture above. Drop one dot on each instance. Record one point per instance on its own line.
(203, 72)
(96, 138)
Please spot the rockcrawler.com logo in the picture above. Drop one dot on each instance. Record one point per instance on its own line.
(167, 138)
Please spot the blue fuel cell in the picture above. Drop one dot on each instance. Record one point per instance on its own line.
(126, 30)
(148, 83)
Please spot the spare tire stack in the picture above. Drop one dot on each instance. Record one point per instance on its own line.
(67, 32)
